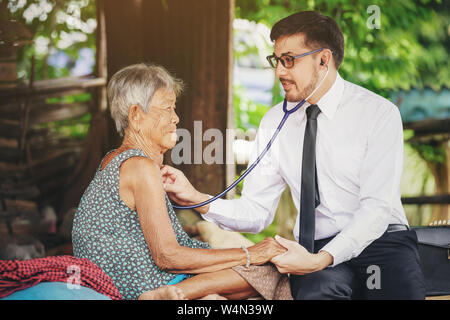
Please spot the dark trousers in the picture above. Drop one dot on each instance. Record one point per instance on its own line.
(388, 268)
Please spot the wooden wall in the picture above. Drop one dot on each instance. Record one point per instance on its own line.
(193, 40)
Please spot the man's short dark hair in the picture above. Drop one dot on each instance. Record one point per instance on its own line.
(319, 31)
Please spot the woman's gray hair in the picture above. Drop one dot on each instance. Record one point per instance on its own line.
(136, 84)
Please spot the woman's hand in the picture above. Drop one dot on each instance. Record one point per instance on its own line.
(297, 260)
(180, 190)
(264, 251)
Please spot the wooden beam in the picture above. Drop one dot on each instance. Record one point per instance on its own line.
(438, 199)
(52, 86)
(41, 112)
(429, 126)
(19, 193)
(58, 111)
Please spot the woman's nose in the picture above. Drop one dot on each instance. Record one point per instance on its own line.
(175, 118)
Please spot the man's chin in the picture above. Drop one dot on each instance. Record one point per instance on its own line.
(297, 96)
(293, 97)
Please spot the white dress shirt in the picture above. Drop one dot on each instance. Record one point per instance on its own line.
(359, 158)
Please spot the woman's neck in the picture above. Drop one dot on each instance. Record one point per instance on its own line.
(135, 142)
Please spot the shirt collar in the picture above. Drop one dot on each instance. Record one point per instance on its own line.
(329, 102)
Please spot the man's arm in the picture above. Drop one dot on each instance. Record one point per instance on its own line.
(379, 191)
(379, 188)
(255, 210)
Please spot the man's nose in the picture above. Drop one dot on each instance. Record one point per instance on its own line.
(280, 70)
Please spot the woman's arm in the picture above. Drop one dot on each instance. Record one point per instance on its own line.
(141, 188)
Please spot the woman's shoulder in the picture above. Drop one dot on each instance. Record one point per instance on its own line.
(140, 168)
(138, 175)
(123, 156)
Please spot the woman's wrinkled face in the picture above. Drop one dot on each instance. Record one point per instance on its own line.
(159, 125)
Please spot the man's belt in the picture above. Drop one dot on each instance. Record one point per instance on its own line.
(397, 227)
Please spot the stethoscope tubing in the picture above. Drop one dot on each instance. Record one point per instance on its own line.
(287, 113)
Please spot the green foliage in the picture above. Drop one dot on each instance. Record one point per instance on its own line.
(409, 50)
(67, 26)
(70, 128)
(429, 152)
(56, 25)
(82, 97)
(239, 186)
(248, 113)
(408, 134)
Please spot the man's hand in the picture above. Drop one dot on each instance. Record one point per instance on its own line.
(180, 190)
(265, 250)
(297, 260)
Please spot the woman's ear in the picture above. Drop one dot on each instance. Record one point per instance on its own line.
(134, 117)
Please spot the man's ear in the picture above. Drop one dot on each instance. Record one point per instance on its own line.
(325, 58)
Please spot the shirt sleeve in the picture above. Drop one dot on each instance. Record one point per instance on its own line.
(255, 209)
(379, 188)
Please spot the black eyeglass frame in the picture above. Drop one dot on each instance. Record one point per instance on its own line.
(283, 62)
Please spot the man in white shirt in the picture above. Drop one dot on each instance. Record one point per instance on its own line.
(342, 160)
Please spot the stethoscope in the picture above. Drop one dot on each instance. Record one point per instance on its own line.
(287, 113)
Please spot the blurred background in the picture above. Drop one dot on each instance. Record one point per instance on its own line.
(56, 57)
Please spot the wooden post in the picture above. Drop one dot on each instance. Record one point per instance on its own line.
(436, 132)
(101, 66)
(441, 173)
(192, 39)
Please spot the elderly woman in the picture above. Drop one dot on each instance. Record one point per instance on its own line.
(125, 222)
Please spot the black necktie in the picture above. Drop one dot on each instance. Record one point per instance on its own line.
(309, 198)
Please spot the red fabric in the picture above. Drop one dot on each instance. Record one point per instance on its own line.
(18, 275)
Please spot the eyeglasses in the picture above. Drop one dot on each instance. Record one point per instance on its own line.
(288, 61)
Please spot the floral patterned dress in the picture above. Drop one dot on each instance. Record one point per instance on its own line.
(108, 233)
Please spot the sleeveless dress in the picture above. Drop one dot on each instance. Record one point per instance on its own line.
(108, 233)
